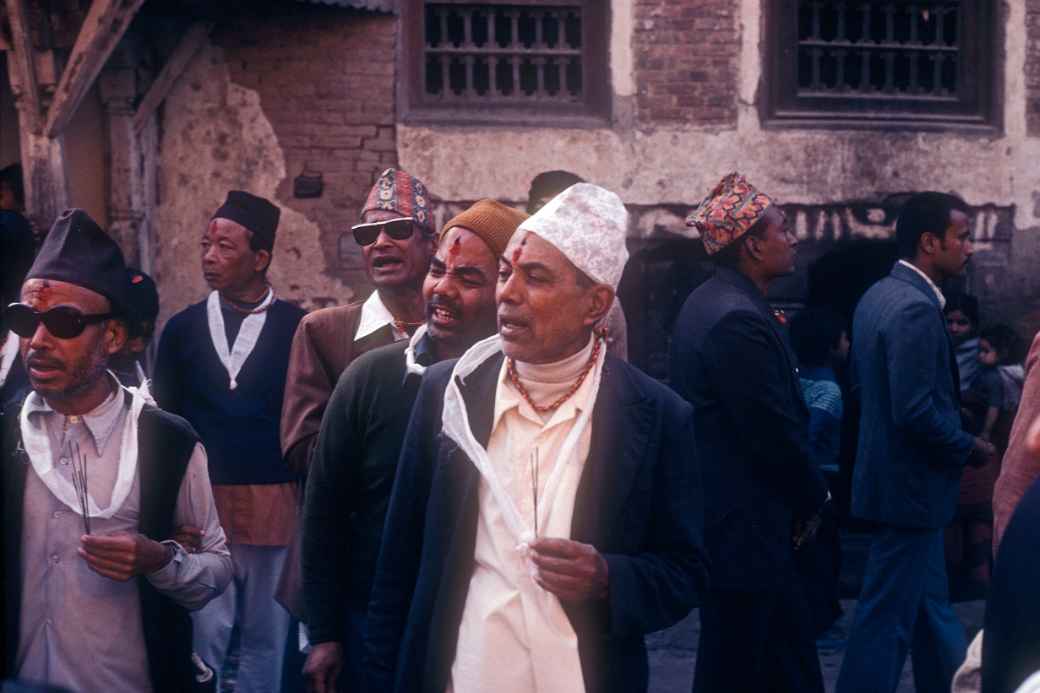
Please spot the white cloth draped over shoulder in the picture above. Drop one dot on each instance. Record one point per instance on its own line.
(234, 356)
(514, 635)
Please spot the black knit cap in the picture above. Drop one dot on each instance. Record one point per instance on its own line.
(77, 251)
(253, 212)
(144, 296)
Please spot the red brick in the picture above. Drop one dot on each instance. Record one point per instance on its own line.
(325, 77)
(687, 54)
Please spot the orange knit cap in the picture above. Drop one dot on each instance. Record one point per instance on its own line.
(493, 221)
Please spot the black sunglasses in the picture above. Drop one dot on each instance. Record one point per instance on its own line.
(397, 229)
(63, 322)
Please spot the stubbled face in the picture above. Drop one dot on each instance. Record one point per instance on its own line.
(955, 249)
(959, 326)
(988, 356)
(459, 290)
(228, 263)
(544, 313)
(63, 369)
(777, 244)
(391, 263)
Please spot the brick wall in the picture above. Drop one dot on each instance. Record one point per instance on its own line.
(1033, 67)
(326, 82)
(686, 61)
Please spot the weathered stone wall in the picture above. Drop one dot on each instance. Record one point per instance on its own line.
(662, 167)
(308, 87)
(1032, 69)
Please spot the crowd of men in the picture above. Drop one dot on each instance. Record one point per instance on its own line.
(460, 485)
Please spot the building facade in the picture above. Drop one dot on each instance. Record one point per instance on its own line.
(838, 109)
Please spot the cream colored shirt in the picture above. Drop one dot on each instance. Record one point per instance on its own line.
(514, 636)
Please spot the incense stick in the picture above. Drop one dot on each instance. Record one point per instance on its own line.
(79, 482)
(534, 488)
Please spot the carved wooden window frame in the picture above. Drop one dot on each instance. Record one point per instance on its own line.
(593, 108)
(974, 102)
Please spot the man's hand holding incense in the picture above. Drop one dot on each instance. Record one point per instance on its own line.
(123, 555)
(571, 570)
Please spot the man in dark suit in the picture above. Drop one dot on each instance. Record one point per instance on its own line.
(911, 453)
(547, 511)
(731, 360)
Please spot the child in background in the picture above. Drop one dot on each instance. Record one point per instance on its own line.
(999, 382)
(990, 406)
(821, 341)
(962, 322)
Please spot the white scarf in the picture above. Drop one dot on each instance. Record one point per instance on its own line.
(7, 356)
(455, 422)
(235, 356)
(37, 445)
(410, 364)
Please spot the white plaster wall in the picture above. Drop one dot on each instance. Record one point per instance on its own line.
(680, 164)
(216, 137)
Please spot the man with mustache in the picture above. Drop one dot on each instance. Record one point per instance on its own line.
(911, 453)
(546, 510)
(221, 365)
(352, 472)
(731, 359)
(396, 235)
(96, 480)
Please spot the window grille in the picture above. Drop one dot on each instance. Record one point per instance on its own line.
(901, 62)
(498, 59)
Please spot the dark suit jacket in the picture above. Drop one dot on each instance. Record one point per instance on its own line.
(1011, 644)
(732, 361)
(639, 503)
(911, 446)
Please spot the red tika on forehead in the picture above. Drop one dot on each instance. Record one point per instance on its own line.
(456, 247)
(518, 251)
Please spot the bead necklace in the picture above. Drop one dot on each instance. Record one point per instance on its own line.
(514, 378)
(406, 327)
(259, 307)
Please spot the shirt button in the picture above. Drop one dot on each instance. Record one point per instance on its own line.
(57, 515)
(64, 460)
(55, 558)
(49, 622)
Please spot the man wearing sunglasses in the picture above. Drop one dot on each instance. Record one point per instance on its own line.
(396, 238)
(95, 481)
(221, 365)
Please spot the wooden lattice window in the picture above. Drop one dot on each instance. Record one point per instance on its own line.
(906, 62)
(505, 60)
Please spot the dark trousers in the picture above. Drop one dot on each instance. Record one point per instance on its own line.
(904, 605)
(756, 642)
(353, 644)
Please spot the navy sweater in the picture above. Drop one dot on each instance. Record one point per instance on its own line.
(238, 427)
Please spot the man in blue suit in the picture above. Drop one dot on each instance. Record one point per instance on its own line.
(911, 453)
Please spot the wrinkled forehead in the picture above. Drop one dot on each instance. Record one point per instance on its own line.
(461, 245)
(42, 294)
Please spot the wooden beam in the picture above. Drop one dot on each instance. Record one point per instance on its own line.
(22, 69)
(46, 187)
(175, 65)
(104, 26)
